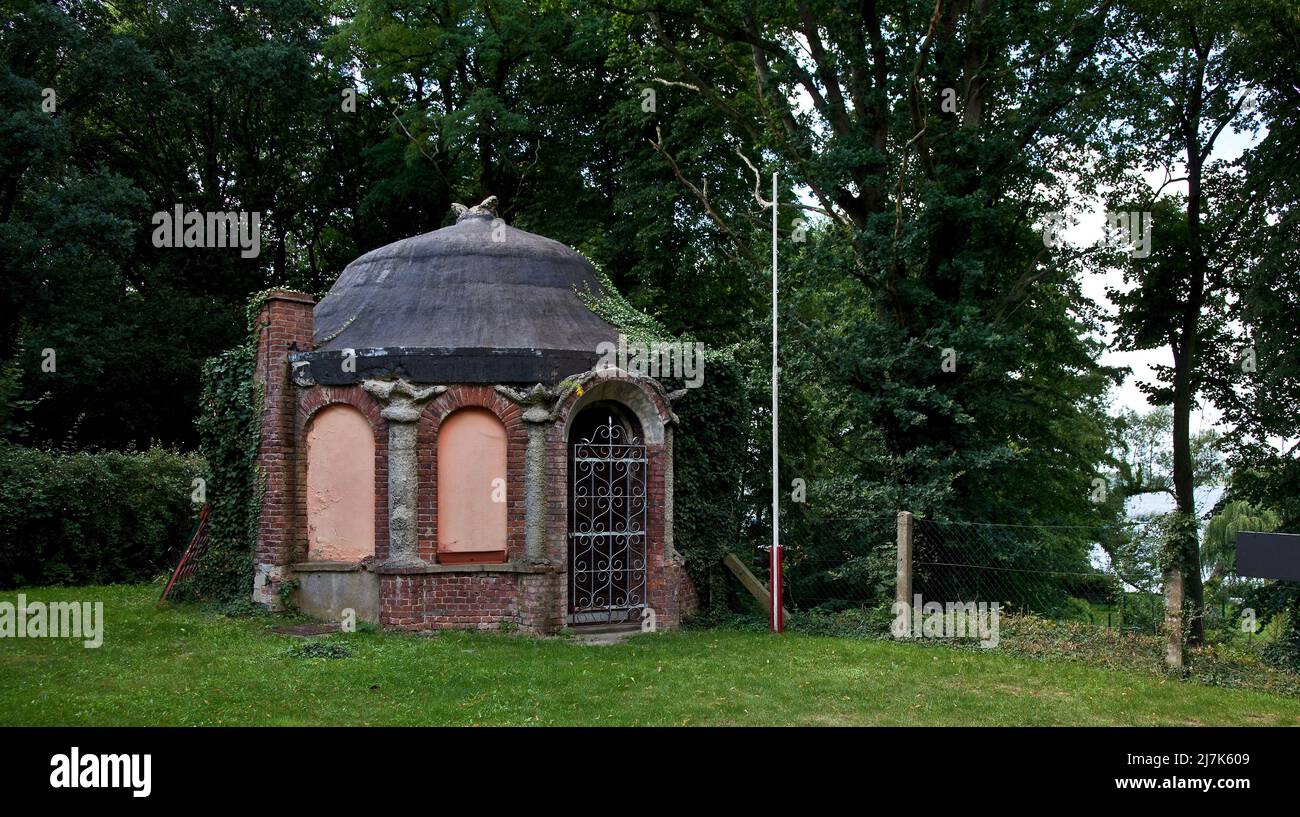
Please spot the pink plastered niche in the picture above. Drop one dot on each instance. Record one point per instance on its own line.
(340, 485)
(472, 490)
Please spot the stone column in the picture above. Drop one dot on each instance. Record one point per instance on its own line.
(670, 549)
(538, 419)
(402, 411)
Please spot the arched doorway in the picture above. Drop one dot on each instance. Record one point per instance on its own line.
(607, 515)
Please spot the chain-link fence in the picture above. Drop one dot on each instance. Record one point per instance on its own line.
(1061, 573)
(1100, 575)
(836, 564)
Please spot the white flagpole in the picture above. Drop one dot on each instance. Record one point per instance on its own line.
(776, 583)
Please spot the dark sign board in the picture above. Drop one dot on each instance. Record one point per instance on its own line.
(1269, 555)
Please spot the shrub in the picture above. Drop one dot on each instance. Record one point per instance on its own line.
(709, 449)
(92, 517)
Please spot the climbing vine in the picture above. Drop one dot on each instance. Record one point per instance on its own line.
(619, 311)
(229, 427)
(1180, 533)
(709, 446)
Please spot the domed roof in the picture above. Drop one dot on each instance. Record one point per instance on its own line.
(477, 284)
(479, 301)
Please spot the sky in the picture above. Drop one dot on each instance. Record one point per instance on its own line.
(1230, 145)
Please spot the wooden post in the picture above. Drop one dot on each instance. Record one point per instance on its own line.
(751, 582)
(903, 586)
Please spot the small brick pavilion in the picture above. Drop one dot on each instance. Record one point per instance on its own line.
(441, 450)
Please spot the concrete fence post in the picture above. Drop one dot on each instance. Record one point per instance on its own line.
(903, 585)
(1174, 617)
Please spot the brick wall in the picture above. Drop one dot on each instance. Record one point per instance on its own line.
(286, 323)
(441, 601)
(532, 601)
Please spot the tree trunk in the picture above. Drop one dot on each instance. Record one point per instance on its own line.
(1186, 362)
(1189, 562)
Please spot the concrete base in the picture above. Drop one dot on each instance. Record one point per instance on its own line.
(325, 594)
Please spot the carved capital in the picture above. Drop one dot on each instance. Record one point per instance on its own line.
(301, 373)
(538, 402)
(402, 400)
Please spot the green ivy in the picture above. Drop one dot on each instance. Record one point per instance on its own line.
(709, 447)
(229, 424)
(1180, 535)
(619, 311)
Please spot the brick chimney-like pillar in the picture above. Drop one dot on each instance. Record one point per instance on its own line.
(285, 323)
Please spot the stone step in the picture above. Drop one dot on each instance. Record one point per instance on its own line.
(604, 634)
(597, 629)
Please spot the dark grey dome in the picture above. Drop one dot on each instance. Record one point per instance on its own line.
(478, 284)
(479, 301)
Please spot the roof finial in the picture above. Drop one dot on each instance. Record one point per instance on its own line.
(487, 207)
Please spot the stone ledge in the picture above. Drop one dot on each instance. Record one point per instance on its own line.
(497, 567)
(328, 567)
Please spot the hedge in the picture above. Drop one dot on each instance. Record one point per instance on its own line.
(709, 457)
(92, 518)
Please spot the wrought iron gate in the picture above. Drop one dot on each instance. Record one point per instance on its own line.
(607, 525)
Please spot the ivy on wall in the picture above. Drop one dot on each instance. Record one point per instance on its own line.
(709, 447)
(229, 424)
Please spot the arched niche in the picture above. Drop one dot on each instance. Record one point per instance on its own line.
(340, 485)
(632, 395)
(472, 488)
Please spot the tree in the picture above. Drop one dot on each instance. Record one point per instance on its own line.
(1143, 462)
(159, 104)
(928, 138)
(1187, 88)
(1219, 543)
(1256, 378)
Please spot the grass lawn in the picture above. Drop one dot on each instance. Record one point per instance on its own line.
(184, 666)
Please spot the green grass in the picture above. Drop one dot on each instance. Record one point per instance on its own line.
(187, 666)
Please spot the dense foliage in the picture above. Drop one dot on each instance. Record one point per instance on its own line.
(92, 517)
(229, 437)
(709, 448)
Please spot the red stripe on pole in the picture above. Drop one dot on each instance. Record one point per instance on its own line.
(778, 615)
